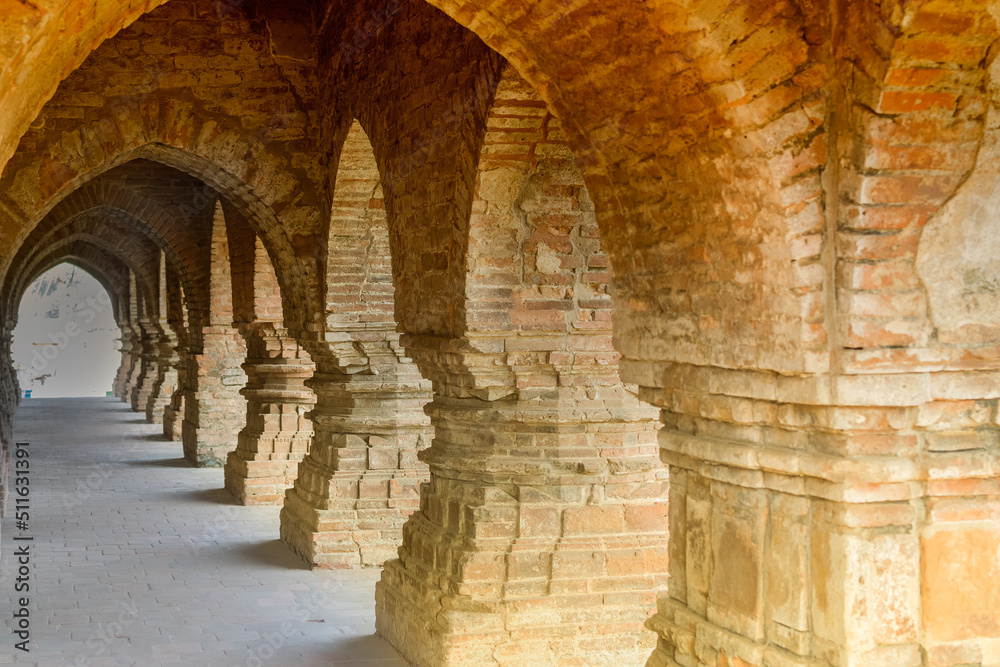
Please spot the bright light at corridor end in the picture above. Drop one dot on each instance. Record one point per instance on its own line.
(66, 342)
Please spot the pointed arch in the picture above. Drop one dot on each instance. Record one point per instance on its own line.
(105, 267)
(113, 233)
(131, 256)
(357, 261)
(93, 204)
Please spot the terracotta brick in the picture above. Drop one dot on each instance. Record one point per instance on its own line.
(753, 208)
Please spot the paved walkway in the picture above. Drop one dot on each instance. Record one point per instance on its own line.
(138, 559)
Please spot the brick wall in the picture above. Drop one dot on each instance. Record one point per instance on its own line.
(789, 205)
(359, 287)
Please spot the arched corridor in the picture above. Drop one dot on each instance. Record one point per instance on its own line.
(599, 332)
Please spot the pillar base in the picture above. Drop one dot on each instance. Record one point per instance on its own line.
(259, 482)
(575, 621)
(346, 519)
(142, 392)
(687, 639)
(256, 477)
(213, 406)
(361, 479)
(173, 419)
(204, 450)
(541, 538)
(157, 404)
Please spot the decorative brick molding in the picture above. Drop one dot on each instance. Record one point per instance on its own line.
(148, 361)
(812, 523)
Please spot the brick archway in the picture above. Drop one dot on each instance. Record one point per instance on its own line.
(89, 209)
(106, 267)
(136, 254)
(607, 142)
(216, 161)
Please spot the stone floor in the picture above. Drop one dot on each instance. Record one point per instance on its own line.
(138, 559)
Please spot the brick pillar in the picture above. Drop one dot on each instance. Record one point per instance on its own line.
(10, 395)
(129, 350)
(213, 407)
(135, 370)
(173, 411)
(149, 355)
(166, 379)
(807, 532)
(132, 336)
(360, 480)
(541, 537)
(166, 365)
(277, 432)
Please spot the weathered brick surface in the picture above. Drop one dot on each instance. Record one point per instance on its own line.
(128, 344)
(542, 534)
(49, 41)
(706, 170)
(360, 481)
(829, 508)
(173, 411)
(131, 373)
(147, 365)
(167, 358)
(421, 91)
(278, 432)
(917, 118)
(785, 208)
(214, 375)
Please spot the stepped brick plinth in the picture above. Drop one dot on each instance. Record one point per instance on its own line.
(542, 536)
(166, 380)
(805, 532)
(173, 414)
(129, 350)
